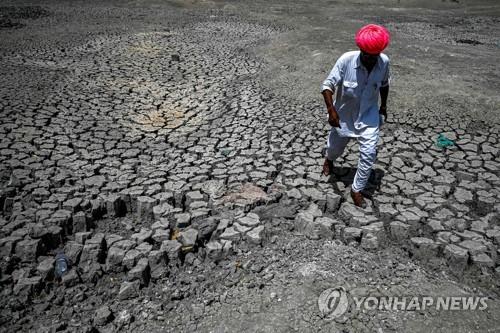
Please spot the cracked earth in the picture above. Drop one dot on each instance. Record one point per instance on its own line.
(172, 150)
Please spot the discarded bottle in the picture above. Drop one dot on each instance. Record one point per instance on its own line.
(62, 265)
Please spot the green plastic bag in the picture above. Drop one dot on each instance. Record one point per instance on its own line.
(443, 142)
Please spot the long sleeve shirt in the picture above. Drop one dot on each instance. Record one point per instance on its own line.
(357, 93)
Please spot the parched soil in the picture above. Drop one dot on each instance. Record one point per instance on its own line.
(172, 151)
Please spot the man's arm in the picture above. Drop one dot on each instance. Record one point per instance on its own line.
(333, 117)
(328, 89)
(384, 93)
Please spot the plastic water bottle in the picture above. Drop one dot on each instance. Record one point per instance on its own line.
(62, 265)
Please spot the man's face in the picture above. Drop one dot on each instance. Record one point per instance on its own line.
(369, 60)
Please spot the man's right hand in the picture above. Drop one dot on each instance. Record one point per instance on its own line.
(333, 118)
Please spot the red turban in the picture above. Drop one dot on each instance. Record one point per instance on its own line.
(372, 38)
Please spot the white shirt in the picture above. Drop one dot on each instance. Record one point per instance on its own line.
(357, 95)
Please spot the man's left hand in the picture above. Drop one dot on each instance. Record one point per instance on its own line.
(383, 111)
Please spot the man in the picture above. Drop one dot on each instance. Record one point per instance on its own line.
(359, 77)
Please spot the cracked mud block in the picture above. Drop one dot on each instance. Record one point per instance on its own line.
(140, 272)
(456, 256)
(188, 238)
(63, 219)
(326, 227)
(102, 316)
(29, 249)
(45, 269)
(129, 290)
(255, 236)
(142, 236)
(158, 261)
(369, 242)
(94, 250)
(376, 229)
(73, 250)
(352, 234)
(160, 235)
(332, 201)
(116, 254)
(173, 250)
(399, 231)
(115, 206)
(231, 234)
(206, 229)
(27, 287)
(145, 208)
(424, 249)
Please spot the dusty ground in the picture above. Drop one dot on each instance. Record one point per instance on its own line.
(142, 137)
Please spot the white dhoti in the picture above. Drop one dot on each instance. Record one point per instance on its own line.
(335, 145)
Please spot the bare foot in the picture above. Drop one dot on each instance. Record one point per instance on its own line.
(327, 167)
(357, 197)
